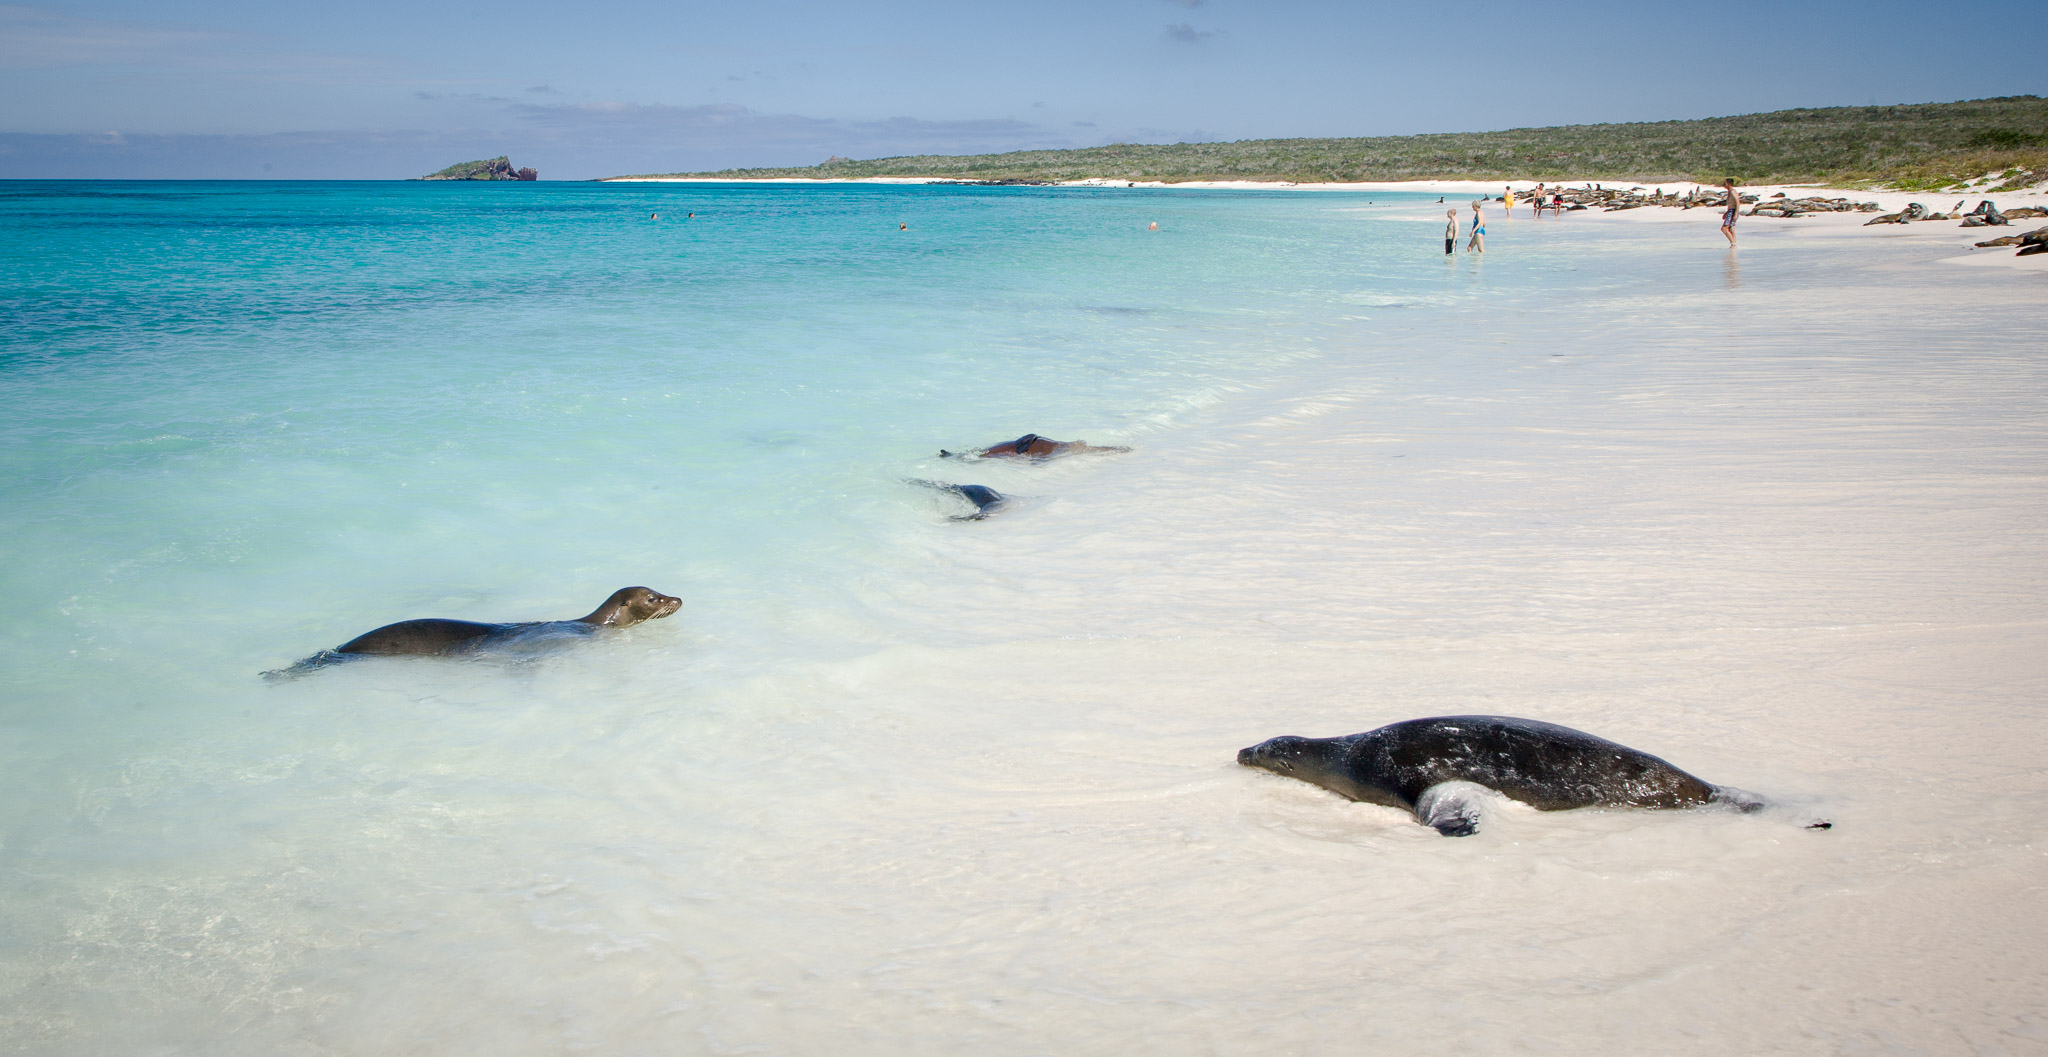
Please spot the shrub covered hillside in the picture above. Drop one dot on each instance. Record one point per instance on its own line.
(1920, 147)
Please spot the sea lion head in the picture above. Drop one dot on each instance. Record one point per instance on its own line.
(630, 605)
(1292, 756)
(1317, 761)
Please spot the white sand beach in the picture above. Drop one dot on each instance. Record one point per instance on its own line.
(1949, 234)
(893, 784)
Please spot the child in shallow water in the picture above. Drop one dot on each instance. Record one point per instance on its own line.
(1450, 231)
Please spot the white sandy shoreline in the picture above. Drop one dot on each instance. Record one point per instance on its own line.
(1958, 243)
(1951, 234)
(893, 779)
(2035, 195)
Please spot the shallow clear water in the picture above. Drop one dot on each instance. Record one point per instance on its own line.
(894, 782)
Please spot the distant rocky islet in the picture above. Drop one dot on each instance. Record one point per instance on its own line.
(498, 168)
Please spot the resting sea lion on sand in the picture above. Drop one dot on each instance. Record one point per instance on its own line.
(437, 637)
(1032, 446)
(986, 500)
(1415, 764)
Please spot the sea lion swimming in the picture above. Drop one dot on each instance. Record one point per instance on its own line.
(434, 636)
(1032, 446)
(986, 500)
(1413, 765)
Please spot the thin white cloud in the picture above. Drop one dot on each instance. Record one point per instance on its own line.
(37, 38)
(1186, 34)
(732, 128)
(33, 38)
(563, 141)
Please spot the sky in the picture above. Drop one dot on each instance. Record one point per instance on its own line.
(384, 89)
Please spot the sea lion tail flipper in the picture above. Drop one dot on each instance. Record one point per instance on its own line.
(1740, 800)
(304, 667)
(1749, 803)
(1449, 809)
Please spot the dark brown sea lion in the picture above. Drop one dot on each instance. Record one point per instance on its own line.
(1414, 764)
(1032, 446)
(435, 636)
(986, 500)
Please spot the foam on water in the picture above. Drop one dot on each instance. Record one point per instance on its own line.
(896, 783)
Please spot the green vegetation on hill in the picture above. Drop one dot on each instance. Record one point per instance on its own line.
(498, 168)
(1923, 146)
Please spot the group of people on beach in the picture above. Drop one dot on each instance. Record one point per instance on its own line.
(1476, 240)
(1543, 198)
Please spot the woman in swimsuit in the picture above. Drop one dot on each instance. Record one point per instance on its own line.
(1478, 243)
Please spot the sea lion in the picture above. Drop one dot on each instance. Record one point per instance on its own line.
(434, 636)
(986, 500)
(1551, 768)
(1032, 446)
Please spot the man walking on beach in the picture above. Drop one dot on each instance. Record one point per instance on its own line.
(1734, 206)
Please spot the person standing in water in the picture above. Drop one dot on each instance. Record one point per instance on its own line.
(1728, 216)
(1507, 202)
(1478, 242)
(1450, 230)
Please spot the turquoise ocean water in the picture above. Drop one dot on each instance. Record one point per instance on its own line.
(895, 783)
(348, 377)
(246, 418)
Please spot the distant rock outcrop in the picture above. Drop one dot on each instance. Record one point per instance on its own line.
(497, 168)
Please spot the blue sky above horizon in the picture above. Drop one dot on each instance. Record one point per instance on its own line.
(382, 89)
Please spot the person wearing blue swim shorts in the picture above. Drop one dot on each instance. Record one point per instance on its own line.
(1734, 206)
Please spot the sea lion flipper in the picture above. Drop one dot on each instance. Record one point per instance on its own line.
(985, 499)
(306, 667)
(1741, 800)
(1448, 808)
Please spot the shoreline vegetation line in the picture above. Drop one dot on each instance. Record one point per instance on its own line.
(1983, 145)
